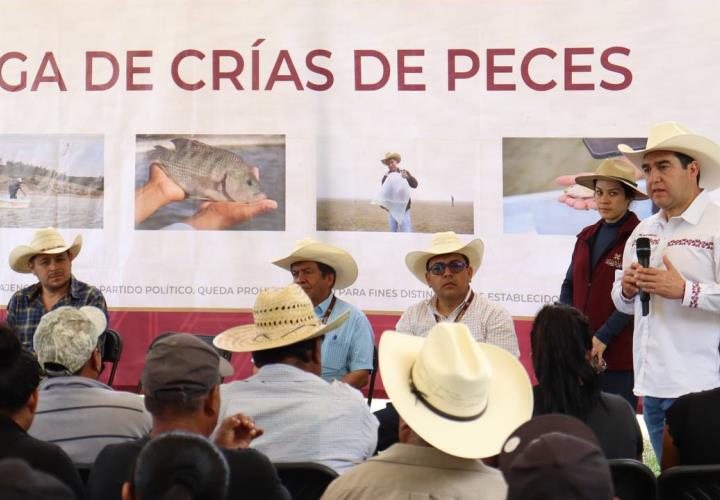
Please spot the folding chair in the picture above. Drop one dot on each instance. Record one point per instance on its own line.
(112, 352)
(371, 387)
(632, 480)
(690, 482)
(305, 480)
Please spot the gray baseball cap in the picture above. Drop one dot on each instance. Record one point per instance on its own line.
(67, 336)
(181, 366)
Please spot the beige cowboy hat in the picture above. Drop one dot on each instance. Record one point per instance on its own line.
(391, 156)
(307, 249)
(671, 136)
(282, 316)
(461, 396)
(47, 240)
(613, 169)
(443, 243)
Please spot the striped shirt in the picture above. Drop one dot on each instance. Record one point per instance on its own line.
(83, 415)
(26, 307)
(488, 322)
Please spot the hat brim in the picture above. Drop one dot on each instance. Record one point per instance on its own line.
(700, 148)
(416, 261)
(246, 338)
(510, 399)
(346, 269)
(20, 256)
(588, 181)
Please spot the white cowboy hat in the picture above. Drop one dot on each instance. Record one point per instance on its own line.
(671, 136)
(461, 396)
(613, 169)
(47, 240)
(282, 316)
(307, 249)
(443, 243)
(391, 156)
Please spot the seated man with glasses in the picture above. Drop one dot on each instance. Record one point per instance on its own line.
(448, 267)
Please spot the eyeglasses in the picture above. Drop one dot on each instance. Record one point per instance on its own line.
(455, 267)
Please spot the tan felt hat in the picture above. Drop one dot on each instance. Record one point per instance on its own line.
(444, 243)
(307, 249)
(613, 170)
(47, 240)
(671, 136)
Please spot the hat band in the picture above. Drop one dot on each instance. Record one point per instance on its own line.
(43, 250)
(423, 399)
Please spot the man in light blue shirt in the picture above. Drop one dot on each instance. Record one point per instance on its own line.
(347, 352)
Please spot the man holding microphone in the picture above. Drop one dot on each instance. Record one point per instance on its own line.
(675, 349)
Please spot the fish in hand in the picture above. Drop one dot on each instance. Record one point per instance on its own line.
(207, 172)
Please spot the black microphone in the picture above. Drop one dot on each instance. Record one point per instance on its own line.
(642, 247)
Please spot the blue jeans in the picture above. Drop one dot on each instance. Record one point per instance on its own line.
(404, 227)
(654, 415)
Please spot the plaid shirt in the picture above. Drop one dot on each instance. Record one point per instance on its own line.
(26, 307)
(488, 322)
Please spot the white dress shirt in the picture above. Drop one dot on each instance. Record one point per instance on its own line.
(675, 347)
(305, 418)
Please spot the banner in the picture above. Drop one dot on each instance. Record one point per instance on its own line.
(192, 143)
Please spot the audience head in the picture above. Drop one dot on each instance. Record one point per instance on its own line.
(180, 379)
(179, 465)
(285, 330)
(19, 378)
(555, 456)
(67, 339)
(558, 465)
(457, 395)
(561, 341)
(19, 481)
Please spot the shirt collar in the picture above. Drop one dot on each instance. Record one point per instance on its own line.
(71, 382)
(693, 213)
(433, 302)
(322, 306)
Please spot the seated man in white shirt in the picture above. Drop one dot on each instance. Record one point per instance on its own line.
(448, 267)
(305, 418)
(676, 337)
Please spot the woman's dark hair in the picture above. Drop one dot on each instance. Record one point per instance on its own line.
(560, 340)
(19, 372)
(180, 465)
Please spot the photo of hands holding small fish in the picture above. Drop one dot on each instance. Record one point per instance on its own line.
(211, 182)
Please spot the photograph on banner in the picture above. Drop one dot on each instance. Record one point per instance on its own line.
(395, 186)
(540, 195)
(211, 182)
(51, 180)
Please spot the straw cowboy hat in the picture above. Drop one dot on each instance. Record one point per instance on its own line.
(461, 396)
(307, 249)
(282, 316)
(671, 136)
(613, 170)
(47, 241)
(443, 243)
(391, 156)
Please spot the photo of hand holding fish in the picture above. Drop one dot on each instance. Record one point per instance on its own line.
(210, 182)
